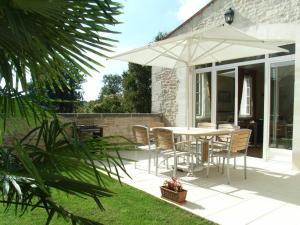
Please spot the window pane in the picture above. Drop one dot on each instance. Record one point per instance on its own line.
(282, 105)
(225, 96)
(203, 97)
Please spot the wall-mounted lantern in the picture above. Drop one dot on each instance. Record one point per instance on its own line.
(229, 14)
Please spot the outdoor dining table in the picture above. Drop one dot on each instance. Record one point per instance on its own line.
(204, 133)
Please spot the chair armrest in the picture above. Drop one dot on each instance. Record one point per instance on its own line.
(220, 143)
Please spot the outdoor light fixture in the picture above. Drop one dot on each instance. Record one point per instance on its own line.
(229, 14)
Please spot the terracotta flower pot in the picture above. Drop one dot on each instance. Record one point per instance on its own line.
(175, 196)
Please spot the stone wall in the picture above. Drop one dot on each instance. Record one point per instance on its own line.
(164, 101)
(115, 123)
(248, 13)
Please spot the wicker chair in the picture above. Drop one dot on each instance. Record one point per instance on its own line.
(207, 125)
(228, 126)
(166, 147)
(225, 138)
(237, 147)
(200, 139)
(222, 140)
(142, 140)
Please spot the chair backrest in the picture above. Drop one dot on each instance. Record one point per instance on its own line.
(164, 138)
(156, 124)
(228, 126)
(141, 134)
(207, 125)
(239, 140)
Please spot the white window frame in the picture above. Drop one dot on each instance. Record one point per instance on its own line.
(267, 62)
(201, 96)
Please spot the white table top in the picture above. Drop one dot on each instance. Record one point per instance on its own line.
(193, 131)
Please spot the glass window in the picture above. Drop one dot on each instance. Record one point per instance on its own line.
(282, 105)
(246, 100)
(225, 96)
(203, 97)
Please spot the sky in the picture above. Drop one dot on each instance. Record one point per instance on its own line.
(141, 22)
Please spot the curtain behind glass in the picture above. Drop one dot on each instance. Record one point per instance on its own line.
(203, 97)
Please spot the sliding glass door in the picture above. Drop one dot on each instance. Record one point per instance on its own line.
(281, 104)
(257, 95)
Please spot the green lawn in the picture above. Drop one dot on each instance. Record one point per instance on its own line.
(130, 206)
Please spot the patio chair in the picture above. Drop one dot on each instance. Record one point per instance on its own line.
(142, 140)
(167, 148)
(228, 126)
(154, 124)
(224, 139)
(221, 139)
(237, 147)
(199, 140)
(207, 125)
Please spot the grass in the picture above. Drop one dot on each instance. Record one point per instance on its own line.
(128, 207)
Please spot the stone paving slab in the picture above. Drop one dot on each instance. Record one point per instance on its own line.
(270, 195)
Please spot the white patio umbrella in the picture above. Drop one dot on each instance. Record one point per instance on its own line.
(199, 47)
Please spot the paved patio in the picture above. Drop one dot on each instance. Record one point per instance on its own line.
(270, 195)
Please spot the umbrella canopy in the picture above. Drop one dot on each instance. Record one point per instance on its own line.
(199, 47)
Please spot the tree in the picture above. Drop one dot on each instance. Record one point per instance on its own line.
(137, 85)
(110, 104)
(112, 85)
(160, 36)
(137, 88)
(87, 106)
(111, 95)
(68, 98)
(37, 38)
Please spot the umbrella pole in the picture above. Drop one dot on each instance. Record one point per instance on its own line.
(189, 95)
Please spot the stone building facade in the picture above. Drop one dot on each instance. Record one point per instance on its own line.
(248, 13)
(266, 19)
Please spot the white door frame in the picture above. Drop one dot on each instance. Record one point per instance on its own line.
(235, 69)
(267, 62)
(273, 153)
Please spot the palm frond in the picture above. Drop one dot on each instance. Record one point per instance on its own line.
(51, 156)
(38, 36)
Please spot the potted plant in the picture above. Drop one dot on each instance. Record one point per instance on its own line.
(172, 190)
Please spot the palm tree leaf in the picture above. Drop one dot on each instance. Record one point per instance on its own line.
(38, 36)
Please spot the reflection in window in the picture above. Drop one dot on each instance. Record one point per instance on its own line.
(282, 105)
(203, 97)
(225, 96)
